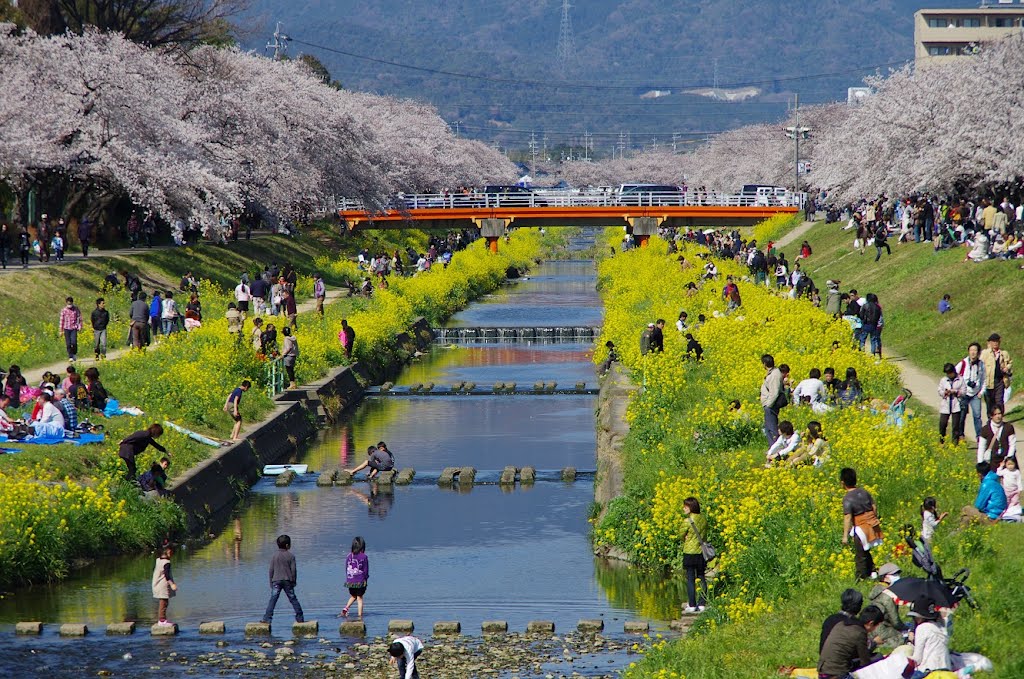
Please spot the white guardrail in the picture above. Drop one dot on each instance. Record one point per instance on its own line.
(543, 198)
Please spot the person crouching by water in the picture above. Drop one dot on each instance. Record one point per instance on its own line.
(378, 459)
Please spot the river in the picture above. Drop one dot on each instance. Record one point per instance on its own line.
(482, 553)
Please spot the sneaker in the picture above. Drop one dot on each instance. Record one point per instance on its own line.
(165, 623)
(701, 609)
(690, 610)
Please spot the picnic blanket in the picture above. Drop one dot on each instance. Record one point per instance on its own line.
(82, 440)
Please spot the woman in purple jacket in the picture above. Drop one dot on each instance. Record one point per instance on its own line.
(357, 573)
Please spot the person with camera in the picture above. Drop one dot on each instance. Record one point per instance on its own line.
(972, 370)
(951, 391)
(998, 370)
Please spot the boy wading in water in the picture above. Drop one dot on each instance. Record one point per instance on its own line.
(164, 586)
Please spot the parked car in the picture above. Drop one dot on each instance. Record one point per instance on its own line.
(511, 196)
(651, 194)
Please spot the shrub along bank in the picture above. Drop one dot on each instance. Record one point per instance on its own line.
(777, 530)
(185, 379)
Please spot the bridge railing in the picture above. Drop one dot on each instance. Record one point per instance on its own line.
(541, 198)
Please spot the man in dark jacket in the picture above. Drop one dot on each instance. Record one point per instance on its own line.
(100, 319)
(658, 336)
(846, 648)
(850, 603)
(283, 578)
(85, 235)
(132, 445)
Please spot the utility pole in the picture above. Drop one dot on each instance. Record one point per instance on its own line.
(796, 133)
(566, 51)
(533, 153)
(586, 145)
(714, 62)
(280, 43)
(457, 123)
(622, 144)
(675, 141)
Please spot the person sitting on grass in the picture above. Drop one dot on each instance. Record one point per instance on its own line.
(97, 394)
(846, 648)
(814, 448)
(990, 502)
(378, 459)
(850, 603)
(787, 442)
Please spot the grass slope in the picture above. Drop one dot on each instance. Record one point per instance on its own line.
(911, 282)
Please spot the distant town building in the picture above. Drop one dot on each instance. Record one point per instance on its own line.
(855, 95)
(941, 34)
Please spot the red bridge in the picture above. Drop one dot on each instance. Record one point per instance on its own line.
(494, 213)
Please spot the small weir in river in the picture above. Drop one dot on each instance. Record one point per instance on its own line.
(465, 552)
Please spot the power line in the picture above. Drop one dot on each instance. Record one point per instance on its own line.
(593, 86)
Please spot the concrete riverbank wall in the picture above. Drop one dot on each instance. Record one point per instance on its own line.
(215, 484)
(612, 430)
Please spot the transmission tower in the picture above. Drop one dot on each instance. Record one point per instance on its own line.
(280, 43)
(566, 53)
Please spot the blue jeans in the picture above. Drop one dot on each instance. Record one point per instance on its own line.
(771, 424)
(275, 593)
(872, 332)
(169, 325)
(974, 403)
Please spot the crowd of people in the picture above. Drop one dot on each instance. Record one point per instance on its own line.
(988, 228)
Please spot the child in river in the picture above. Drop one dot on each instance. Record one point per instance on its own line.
(357, 574)
(403, 652)
(164, 586)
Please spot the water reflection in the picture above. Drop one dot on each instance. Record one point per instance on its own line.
(468, 554)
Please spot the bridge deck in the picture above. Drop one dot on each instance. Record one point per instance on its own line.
(580, 215)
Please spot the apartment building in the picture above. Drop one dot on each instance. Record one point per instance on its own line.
(941, 34)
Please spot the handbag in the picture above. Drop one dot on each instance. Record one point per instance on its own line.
(707, 550)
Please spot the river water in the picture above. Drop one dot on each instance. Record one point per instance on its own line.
(482, 553)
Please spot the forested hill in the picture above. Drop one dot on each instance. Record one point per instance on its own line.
(778, 46)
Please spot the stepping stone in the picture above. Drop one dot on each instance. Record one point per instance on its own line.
(401, 627)
(343, 478)
(307, 628)
(386, 478)
(680, 625)
(527, 476)
(405, 477)
(540, 627)
(28, 628)
(508, 476)
(467, 475)
(494, 626)
(159, 630)
(447, 628)
(73, 629)
(121, 628)
(636, 627)
(327, 478)
(447, 477)
(569, 474)
(352, 629)
(595, 625)
(257, 629)
(285, 479)
(216, 627)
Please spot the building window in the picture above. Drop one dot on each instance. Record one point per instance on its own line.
(971, 22)
(939, 50)
(938, 22)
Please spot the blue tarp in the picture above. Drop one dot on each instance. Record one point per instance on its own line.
(53, 440)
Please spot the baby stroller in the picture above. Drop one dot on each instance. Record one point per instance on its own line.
(895, 416)
(955, 587)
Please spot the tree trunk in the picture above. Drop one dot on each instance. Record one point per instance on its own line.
(43, 16)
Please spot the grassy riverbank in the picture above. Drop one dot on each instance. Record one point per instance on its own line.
(910, 283)
(778, 530)
(185, 379)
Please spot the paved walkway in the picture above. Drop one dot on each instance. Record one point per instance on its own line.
(795, 235)
(35, 375)
(71, 257)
